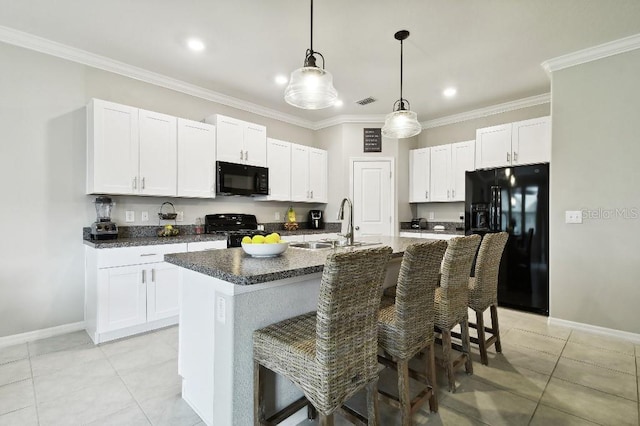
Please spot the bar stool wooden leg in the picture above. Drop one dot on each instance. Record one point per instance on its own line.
(482, 342)
(466, 346)
(403, 392)
(430, 355)
(258, 394)
(495, 326)
(447, 358)
(372, 402)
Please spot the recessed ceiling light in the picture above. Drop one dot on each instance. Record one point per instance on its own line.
(338, 103)
(450, 92)
(195, 44)
(281, 79)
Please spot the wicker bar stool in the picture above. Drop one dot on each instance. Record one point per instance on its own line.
(483, 292)
(405, 326)
(452, 300)
(332, 353)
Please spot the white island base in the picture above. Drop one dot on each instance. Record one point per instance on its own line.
(217, 319)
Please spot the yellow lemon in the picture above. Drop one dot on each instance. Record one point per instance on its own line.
(270, 239)
(246, 240)
(168, 227)
(276, 236)
(257, 239)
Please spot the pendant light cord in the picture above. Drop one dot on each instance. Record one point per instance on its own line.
(401, 51)
(311, 27)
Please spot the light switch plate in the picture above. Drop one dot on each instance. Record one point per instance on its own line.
(130, 216)
(180, 217)
(432, 215)
(573, 216)
(145, 216)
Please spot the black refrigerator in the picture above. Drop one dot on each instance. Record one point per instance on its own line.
(515, 200)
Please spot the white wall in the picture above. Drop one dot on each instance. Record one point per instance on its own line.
(42, 118)
(594, 167)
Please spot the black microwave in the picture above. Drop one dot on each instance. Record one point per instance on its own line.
(242, 179)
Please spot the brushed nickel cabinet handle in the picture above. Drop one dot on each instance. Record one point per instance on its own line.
(241, 153)
(135, 182)
(515, 157)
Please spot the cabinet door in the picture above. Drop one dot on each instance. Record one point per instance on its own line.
(531, 141)
(419, 175)
(493, 146)
(122, 300)
(196, 159)
(163, 291)
(255, 145)
(440, 168)
(112, 148)
(317, 175)
(299, 172)
(279, 164)
(462, 160)
(158, 154)
(229, 139)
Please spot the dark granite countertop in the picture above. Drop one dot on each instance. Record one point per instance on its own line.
(237, 267)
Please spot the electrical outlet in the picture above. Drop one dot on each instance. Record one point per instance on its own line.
(221, 309)
(130, 216)
(573, 216)
(277, 216)
(432, 215)
(180, 217)
(145, 216)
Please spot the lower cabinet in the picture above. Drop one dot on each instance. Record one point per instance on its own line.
(130, 290)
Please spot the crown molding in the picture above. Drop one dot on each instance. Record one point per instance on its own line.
(42, 45)
(344, 119)
(592, 53)
(491, 110)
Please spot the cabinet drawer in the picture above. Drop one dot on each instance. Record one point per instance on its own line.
(122, 256)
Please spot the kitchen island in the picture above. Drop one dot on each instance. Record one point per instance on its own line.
(225, 296)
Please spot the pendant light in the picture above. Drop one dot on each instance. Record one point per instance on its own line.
(402, 122)
(311, 87)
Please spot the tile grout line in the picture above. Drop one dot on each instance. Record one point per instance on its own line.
(33, 386)
(125, 385)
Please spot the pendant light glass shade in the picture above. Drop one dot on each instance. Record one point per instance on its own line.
(311, 88)
(401, 123)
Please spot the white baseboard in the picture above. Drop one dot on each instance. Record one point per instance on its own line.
(632, 337)
(30, 336)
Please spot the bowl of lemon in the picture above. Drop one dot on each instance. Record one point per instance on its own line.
(264, 246)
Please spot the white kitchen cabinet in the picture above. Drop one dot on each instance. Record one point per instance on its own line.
(240, 141)
(130, 151)
(130, 290)
(196, 159)
(279, 164)
(440, 173)
(308, 174)
(158, 141)
(512, 144)
(419, 163)
(112, 148)
(462, 161)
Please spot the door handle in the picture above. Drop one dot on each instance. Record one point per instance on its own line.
(357, 228)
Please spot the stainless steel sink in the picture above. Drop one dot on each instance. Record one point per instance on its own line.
(312, 245)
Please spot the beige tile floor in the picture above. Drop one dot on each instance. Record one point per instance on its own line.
(546, 375)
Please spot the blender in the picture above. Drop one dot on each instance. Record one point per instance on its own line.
(103, 228)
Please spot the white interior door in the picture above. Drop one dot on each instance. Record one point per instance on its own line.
(373, 202)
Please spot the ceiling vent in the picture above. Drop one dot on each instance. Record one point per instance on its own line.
(366, 101)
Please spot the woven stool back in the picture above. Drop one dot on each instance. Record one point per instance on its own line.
(414, 311)
(346, 322)
(454, 280)
(484, 289)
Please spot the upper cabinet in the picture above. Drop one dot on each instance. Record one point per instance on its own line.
(130, 151)
(308, 174)
(522, 142)
(112, 148)
(279, 164)
(240, 141)
(196, 159)
(438, 172)
(419, 163)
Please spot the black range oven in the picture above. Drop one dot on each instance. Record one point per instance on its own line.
(234, 225)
